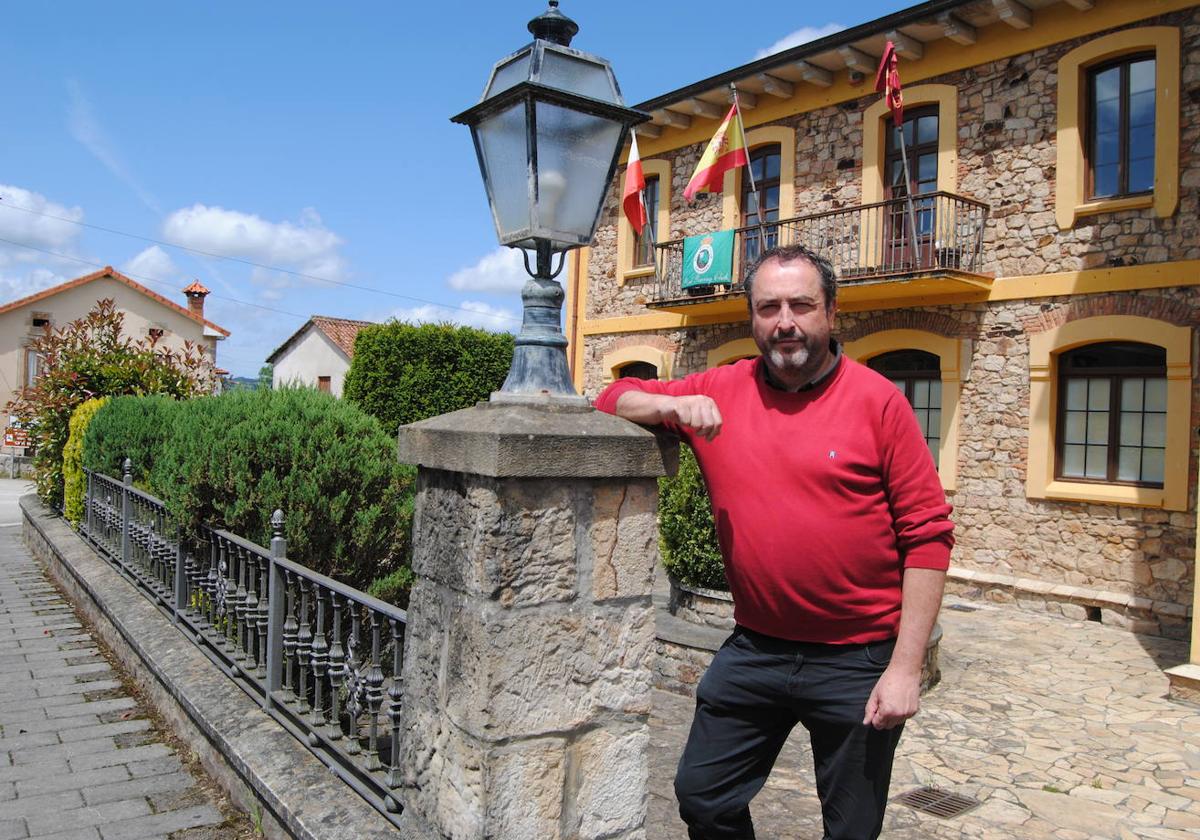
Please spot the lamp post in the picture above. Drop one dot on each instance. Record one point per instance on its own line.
(547, 133)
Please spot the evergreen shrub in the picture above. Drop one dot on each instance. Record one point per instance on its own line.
(402, 373)
(74, 481)
(136, 428)
(687, 533)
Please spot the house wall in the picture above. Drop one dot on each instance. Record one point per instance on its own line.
(312, 356)
(1134, 263)
(141, 314)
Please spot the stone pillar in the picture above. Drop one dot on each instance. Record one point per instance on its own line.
(530, 629)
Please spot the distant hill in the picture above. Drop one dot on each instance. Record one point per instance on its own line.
(234, 383)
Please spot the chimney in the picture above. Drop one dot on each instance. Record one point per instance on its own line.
(195, 295)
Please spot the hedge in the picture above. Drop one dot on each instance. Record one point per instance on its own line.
(403, 373)
(74, 481)
(231, 460)
(136, 428)
(687, 533)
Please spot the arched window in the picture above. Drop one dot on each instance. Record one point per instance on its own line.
(918, 375)
(761, 204)
(1112, 414)
(638, 370)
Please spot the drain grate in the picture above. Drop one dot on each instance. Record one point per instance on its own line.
(962, 607)
(938, 802)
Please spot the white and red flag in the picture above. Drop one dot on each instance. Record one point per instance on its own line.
(632, 198)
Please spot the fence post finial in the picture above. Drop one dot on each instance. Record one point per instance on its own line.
(128, 468)
(277, 523)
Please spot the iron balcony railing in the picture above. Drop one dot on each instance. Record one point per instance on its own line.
(322, 658)
(868, 241)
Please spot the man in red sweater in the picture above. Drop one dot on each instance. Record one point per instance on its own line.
(836, 537)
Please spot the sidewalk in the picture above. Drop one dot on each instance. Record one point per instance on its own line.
(78, 758)
(1061, 729)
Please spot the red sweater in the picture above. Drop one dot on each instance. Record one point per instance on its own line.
(821, 498)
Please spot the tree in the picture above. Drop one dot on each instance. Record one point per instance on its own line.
(266, 376)
(89, 358)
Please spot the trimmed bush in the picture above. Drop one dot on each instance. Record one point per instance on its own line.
(136, 428)
(687, 533)
(403, 373)
(74, 481)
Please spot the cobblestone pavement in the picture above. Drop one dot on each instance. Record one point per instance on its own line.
(1061, 729)
(78, 759)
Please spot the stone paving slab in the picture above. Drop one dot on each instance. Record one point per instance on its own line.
(63, 717)
(1061, 729)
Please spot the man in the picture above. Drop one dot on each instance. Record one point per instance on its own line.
(836, 536)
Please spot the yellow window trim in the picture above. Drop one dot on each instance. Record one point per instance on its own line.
(626, 271)
(953, 355)
(739, 348)
(617, 359)
(875, 137)
(1071, 203)
(1044, 349)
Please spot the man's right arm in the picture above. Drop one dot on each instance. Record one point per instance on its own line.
(693, 411)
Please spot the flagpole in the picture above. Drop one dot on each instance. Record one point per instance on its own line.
(912, 214)
(762, 233)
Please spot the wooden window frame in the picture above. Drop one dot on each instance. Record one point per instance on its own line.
(652, 223)
(1090, 124)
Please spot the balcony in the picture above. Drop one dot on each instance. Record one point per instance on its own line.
(877, 259)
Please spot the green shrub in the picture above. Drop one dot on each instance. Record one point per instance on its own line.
(231, 460)
(687, 534)
(403, 373)
(393, 588)
(129, 427)
(74, 481)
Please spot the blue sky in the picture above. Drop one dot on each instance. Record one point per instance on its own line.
(308, 137)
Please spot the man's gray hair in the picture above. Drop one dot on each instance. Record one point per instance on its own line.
(790, 253)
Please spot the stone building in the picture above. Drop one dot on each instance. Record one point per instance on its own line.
(1038, 307)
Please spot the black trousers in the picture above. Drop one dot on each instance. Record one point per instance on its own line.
(752, 696)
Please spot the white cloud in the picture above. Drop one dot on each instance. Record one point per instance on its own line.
(16, 286)
(801, 36)
(469, 313)
(86, 129)
(152, 264)
(501, 271)
(30, 219)
(306, 246)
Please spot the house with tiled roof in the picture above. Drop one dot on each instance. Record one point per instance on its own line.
(317, 355)
(147, 313)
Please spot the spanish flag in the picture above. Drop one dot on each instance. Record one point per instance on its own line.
(887, 82)
(725, 151)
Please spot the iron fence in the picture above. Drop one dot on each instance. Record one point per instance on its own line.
(944, 232)
(321, 658)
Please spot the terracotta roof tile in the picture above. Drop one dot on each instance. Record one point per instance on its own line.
(108, 271)
(341, 331)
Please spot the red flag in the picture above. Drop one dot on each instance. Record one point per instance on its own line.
(887, 82)
(635, 181)
(725, 151)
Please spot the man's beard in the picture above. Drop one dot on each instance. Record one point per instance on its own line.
(805, 360)
(796, 360)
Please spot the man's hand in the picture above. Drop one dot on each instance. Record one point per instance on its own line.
(895, 698)
(693, 411)
(698, 413)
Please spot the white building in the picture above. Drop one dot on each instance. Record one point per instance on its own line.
(317, 355)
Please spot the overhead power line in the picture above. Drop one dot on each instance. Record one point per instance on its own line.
(9, 205)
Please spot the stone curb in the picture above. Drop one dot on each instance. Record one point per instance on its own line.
(254, 759)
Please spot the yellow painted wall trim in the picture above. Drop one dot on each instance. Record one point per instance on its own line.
(950, 352)
(1093, 280)
(1044, 349)
(577, 279)
(730, 351)
(662, 222)
(731, 210)
(1052, 25)
(1071, 200)
(875, 138)
(612, 362)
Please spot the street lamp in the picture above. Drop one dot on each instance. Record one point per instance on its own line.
(547, 132)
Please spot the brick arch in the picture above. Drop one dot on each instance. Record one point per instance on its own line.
(1159, 308)
(658, 342)
(722, 337)
(904, 319)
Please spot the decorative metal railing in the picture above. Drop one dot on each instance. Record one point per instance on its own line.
(865, 242)
(322, 658)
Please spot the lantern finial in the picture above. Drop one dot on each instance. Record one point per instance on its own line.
(552, 25)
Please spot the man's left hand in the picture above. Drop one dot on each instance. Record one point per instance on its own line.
(895, 698)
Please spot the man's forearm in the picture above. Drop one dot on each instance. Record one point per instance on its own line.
(921, 598)
(642, 407)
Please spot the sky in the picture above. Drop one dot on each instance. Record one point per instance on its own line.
(298, 159)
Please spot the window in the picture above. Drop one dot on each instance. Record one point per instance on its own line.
(33, 367)
(761, 203)
(1120, 127)
(939, 101)
(921, 146)
(643, 243)
(323, 384)
(1112, 416)
(638, 370)
(155, 333)
(918, 375)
